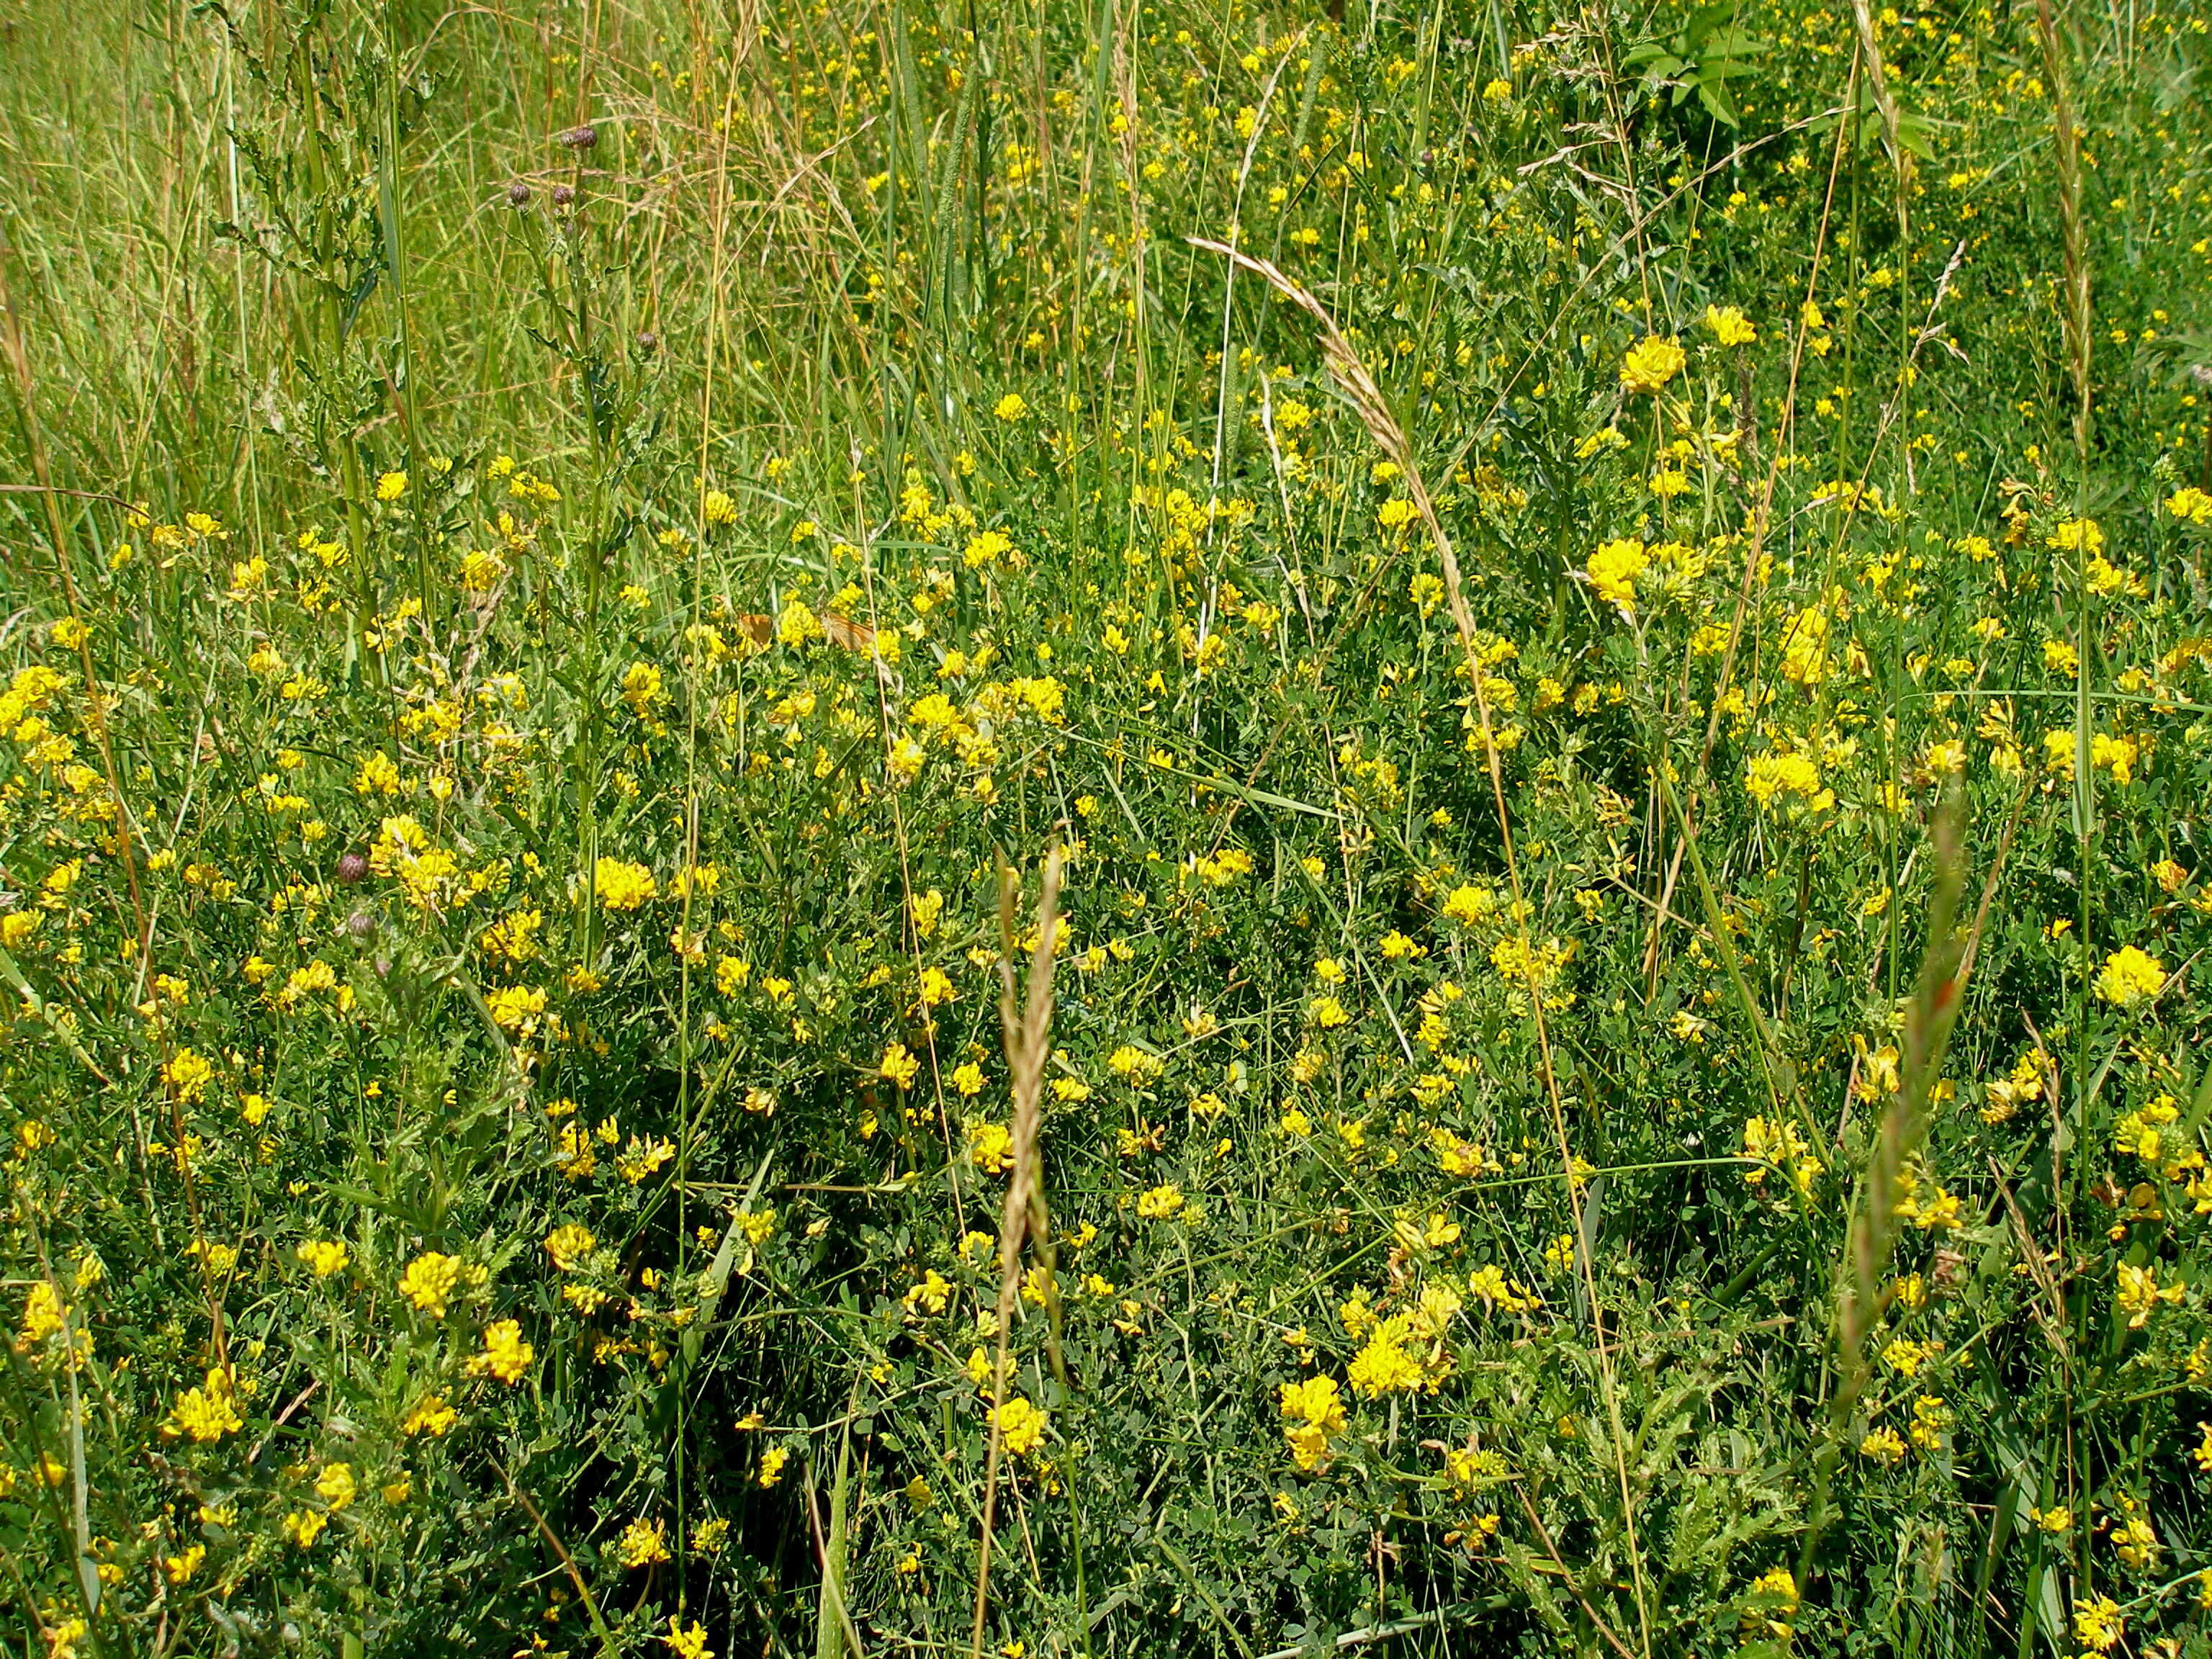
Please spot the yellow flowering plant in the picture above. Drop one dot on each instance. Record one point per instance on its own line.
(1615, 1050)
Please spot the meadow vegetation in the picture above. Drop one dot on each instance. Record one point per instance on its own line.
(1104, 827)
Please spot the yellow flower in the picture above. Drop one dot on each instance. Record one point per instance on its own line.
(1946, 759)
(2139, 1293)
(2079, 535)
(1651, 363)
(1536, 966)
(771, 1466)
(798, 624)
(983, 550)
(43, 1315)
(1729, 325)
(1384, 1366)
(2135, 1542)
(187, 1075)
(1161, 1203)
(2059, 751)
(1931, 1418)
(2115, 755)
(1882, 1446)
(568, 1244)
(429, 1281)
(898, 1067)
(621, 886)
(1905, 1357)
(325, 1256)
(335, 1486)
(1021, 1425)
(2098, 1625)
(1773, 1604)
(431, 1416)
(2129, 976)
(991, 1147)
(642, 1156)
(1777, 1141)
(481, 571)
(1805, 648)
(205, 1414)
(641, 688)
(505, 1355)
(1471, 1470)
(1613, 570)
(690, 1643)
(303, 1527)
(1469, 905)
(642, 1543)
(1489, 1285)
(1011, 407)
(391, 486)
(1458, 1157)
(933, 1293)
(1769, 776)
(573, 1153)
(516, 1008)
(1312, 1410)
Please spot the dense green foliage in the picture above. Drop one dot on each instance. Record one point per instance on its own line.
(1620, 749)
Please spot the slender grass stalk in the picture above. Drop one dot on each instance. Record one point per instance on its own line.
(2076, 324)
(1862, 1288)
(1026, 1026)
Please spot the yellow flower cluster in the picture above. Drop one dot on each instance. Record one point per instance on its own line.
(1768, 777)
(429, 1281)
(205, 1414)
(621, 886)
(2129, 976)
(1613, 570)
(1313, 1415)
(1021, 1425)
(1776, 1143)
(506, 1355)
(1651, 362)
